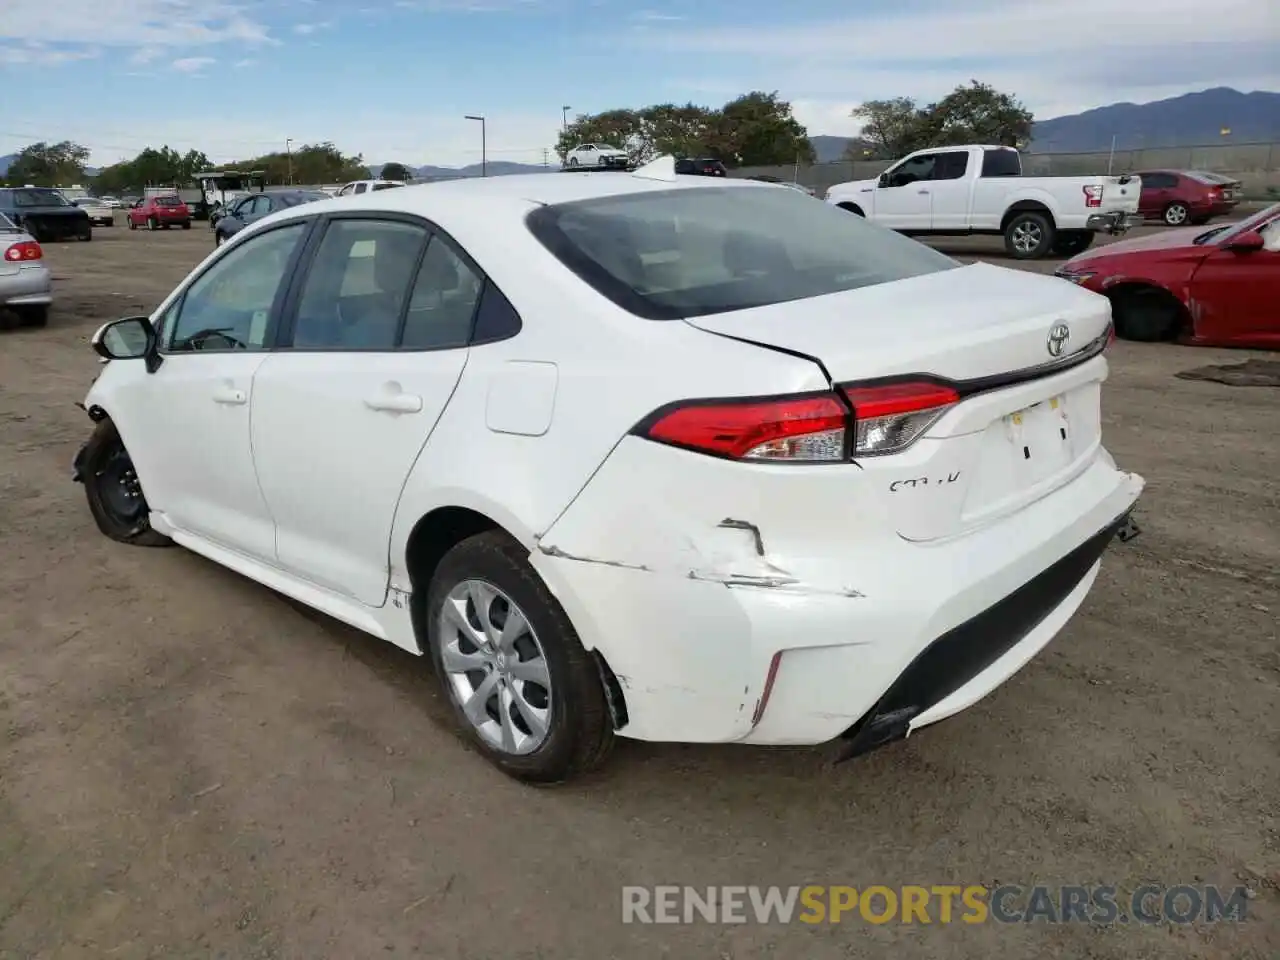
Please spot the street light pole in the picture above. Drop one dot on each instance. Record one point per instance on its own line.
(484, 166)
(564, 118)
(288, 149)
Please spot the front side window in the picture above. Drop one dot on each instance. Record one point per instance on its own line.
(358, 285)
(229, 305)
(686, 253)
(913, 170)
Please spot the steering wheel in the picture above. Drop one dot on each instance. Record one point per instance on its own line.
(204, 340)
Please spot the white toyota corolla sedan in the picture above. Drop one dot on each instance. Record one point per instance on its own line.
(628, 454)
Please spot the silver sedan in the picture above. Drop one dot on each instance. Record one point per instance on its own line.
(26, 287)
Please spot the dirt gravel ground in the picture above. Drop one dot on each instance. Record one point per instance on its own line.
(191, 766)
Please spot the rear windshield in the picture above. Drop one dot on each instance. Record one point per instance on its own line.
(6, 224)
(39, 198)
(686, 253)
(168, 202)
(293, 199)
(386, 186)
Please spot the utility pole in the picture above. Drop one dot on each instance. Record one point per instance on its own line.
(564, 117)
(546, 159)
(288, 149)
(484, 163)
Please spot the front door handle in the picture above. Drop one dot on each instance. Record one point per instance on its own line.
(924, 193)
(229, 395)
(395, 403)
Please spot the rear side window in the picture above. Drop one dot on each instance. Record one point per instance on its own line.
(385, 186)
(1159, 181)
(1001, 163)
(951, 166)
(670, 254)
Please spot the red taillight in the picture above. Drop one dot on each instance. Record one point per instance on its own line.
(1092, 196)
(809, 428)
(890, 417)
(1111, 334)
(23, 252)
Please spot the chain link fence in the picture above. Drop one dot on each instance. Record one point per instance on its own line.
(1255, 165)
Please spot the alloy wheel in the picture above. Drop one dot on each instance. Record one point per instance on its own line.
(1027, 237)
(496, 668)
(1175, 215)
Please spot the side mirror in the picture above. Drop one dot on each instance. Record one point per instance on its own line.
(1250, 242)
(131, 338)
(884, 180)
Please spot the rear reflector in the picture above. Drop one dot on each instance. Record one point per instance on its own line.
(23, 252)
(890, 417)
(864, 420)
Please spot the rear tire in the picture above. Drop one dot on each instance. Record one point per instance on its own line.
(1028, 235)
(132, 225)
(33, 316)
(1147, 316)
(578, 724)
(1069, 243)
(114, 492)
(1176, 214)
(186, 224)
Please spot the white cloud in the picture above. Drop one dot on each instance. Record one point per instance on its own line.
(146, 25)
(242, 64)
(34, 52)
(1056, 56)
(654, 16)
(192, 64)
(306, 29)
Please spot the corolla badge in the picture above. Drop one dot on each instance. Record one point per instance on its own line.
(1058, 337)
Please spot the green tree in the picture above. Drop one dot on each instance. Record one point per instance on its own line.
(49, 164)
(979, 113)
(976, 113)
(314, 163)
(891, 128)
(151, 167)
(667, 129)
(758, 129)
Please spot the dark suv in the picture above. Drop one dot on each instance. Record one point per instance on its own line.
(45, 214)
(704, 167)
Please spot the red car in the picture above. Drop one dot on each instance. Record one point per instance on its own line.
(1179, 197)
(156, 212)
(1214, 287)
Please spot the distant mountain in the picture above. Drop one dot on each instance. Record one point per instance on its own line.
(1192, 119)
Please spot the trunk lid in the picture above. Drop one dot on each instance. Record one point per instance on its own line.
(961, 324)
(1025, 426)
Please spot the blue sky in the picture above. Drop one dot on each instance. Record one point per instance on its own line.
(392, 79)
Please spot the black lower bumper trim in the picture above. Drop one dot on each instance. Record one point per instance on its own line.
(965, 651)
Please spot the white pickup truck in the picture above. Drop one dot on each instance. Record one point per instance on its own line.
(981, 190)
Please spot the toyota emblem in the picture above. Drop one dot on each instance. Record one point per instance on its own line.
(1058, 337)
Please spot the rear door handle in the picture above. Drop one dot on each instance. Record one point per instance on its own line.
(395, 403)
(229, 395)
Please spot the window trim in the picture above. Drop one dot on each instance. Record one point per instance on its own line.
(270, 337)
(289, 308)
